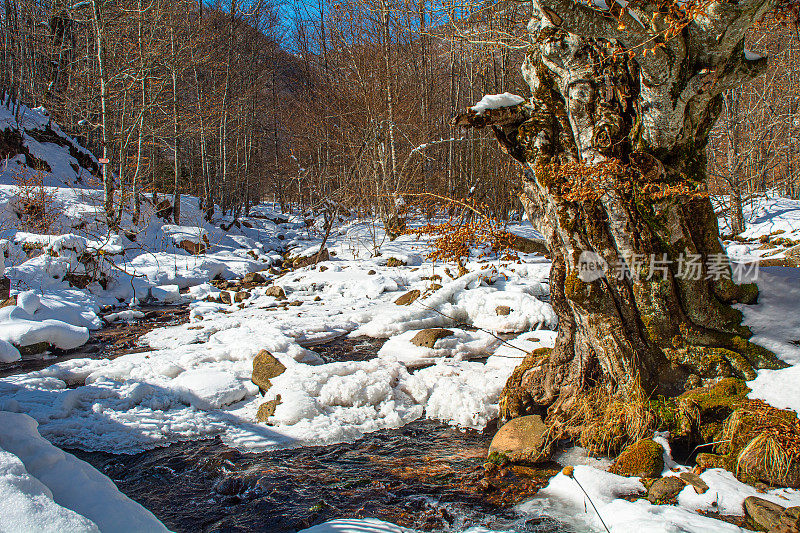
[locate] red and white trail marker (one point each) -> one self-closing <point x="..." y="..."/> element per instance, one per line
<point x="103" y="161"/>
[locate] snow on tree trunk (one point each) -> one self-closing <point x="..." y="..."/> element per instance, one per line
<point x="613" y="146"/>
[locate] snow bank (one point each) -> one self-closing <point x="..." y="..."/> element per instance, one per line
<point x="45" y="489"/>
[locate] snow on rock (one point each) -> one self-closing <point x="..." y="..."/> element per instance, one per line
<point x="726" y="494"/>
<point x="496" y="101"/>
<point x="564" y="500"/>
<point x="43" y="488"/>
<point x="8" y="353"/>
<point x="166" y="294"/>
<point x="19" y="328"/>
<point x="29" y="302"/>
<point x="462" y="345"/>
<point x="124" y="316"/>
<point x="342" y="401"/>
<point x="473" y="298"/>
<point x="463" y="394"/>
<point x="180" y="234"/>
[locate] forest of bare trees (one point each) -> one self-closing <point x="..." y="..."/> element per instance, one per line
<point x="315" y="102"/>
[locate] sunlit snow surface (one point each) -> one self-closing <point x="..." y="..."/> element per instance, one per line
<point x="196" y="381"/>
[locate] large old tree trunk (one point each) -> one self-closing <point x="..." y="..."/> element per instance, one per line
<point x="613" y="145"/>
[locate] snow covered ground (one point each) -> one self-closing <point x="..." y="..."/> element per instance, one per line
<point x="194" y="380"/>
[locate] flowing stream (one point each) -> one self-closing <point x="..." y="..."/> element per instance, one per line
<point x="426" y="475"/>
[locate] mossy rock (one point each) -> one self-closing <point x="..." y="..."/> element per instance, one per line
<point x="697" y="415"/>
<point x="644" y="458"/>
<point x="523" y="440"/>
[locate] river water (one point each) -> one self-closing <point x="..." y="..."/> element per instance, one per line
<point x="426" y="475"/>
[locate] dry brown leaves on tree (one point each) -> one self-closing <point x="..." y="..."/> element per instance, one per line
<point x="468" y="227"/>
<point x="579" y="182"/>
<point x="34" y="204"/>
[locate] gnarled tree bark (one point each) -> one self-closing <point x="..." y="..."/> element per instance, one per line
<point x="613" y="146"/>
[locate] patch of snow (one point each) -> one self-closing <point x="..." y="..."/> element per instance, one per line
<point x="496" y="101"/>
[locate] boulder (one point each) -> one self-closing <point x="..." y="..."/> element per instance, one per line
<point x="33" y="349"/>
<point x="700" y="486"/>
<point x="241" y="296"/>
<point x="276" y="292"/>
<point x="644" y="458"/>
<point x="503" y="310"/>
<point x="5" y="288"/>
<point x="408" y="298"/>
<point x="665" y="489"/>
<point x="267" y="409"/>
<point x="427" y="337"/>
<point x="523" y="440"/>
<point x="225" y="297"/>
<point x="254" y="277"/>
<point x="395" y="262"/>
<point x="194" y="248"/>
<point x="266" y="367"/>
<point x="164" y="209"/>
<point x="322" y="255"/>
<point x="793" y="256"/>
<point x="762" y="513"/>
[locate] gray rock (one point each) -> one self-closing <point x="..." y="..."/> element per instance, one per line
<point x="664" y="489"/>
<point x="763" y="513"/>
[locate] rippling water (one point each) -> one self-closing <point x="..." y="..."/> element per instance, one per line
<point x="425" y="475"/>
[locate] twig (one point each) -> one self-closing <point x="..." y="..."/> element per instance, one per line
<point x="570" y="473"/>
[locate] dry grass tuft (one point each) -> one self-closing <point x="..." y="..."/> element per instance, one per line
<point x="606" y="424"/>
<point x="763" y="443"/>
